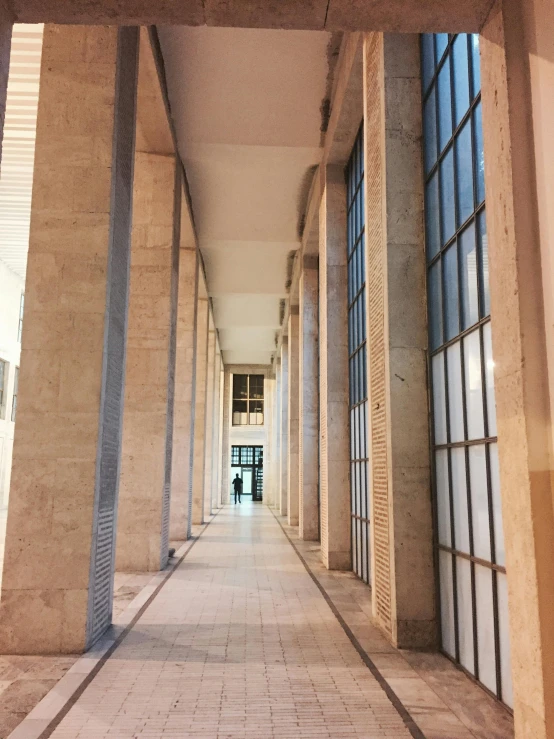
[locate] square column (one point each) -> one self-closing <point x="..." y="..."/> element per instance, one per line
<point x="198" y="471"/>
<point x="225" y="443"/>
<point x="276" y="458"/>
<point x="284" y="423"/>
<point x="210" y="406"/>
<point x="216" y="455"/>
<point x="517" y="81"/>
<point x="143" y="460"/>
<point x="293" y="419"/>
<point x="308" y="461"/>
<point x="183" y="424"/>
<point x="336" y="538"/>
<point x="58" y="568"/>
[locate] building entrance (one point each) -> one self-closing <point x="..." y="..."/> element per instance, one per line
<point x="248" y="461"/>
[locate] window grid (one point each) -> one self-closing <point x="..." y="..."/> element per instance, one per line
<point x="357" y="358"/>
<point x="248" y="400"/>
<point x="461" y="364"/>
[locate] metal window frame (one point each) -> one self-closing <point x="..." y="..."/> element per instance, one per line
<point x="483" y="319"/>
<point x="248" y="399"/>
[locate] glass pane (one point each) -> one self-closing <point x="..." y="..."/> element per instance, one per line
<point x="455" y="403"/>
<point x="450" y="292"/>
<point x="442" y="43"/>
<point x="257" y="386"/>
<point x="432" y="216"/>
<point x="479" y="154"/>
<point x="435" y="306"/>
<point x="485" y="627"/>
<point x="479" y="502"/>
<point x="428" y="59"/>
<point x="447" y="604"/>
<point x="430" y="131"/>
<point x="500" y="553"/>
<point x="484" y="263"/>
<point x="447" y="197"/>
<point x="470" y="294"/>
<point x="464" y="174"/>
<point x="439" y="398"/>
<point x="461" y="77"/>
<point x="459" y="500"/>
<point x="444" y="105"/>
<point x="240" y="386"/>
<point x="476" y="61"/>
<point x="474" y="386"/>
<point x="504" y="629"/>
<point x="489" y="377"/>
<point x="465" y="613"/>
<point x="443" y="498"/>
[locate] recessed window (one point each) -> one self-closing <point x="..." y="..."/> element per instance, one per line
<point x="21" y="309"/>
<point x="15" y="389"/>
<point x="248" y="400"/>
<point x="3" y="378"/>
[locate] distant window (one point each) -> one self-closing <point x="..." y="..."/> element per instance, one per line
<point x="21" y="308"/>
<point x="15" y="386"/>
<point x="3" y="378"/>
<point x="248" y="400"/>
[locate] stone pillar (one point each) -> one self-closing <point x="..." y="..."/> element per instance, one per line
<point x="293" y="419"/>
<point x="198" y="477"/>
<point x="284" y="416"/>
<point x="5" y="47"/>
<point x="141" y="493"/>
<point x="336" y="538"/>
<point x="58" y="568"/>
<point x="269" y="406"/>
<point x="219" y="458"/>
<point x="216" y="458"/>
<point x="225" y="443"/>
<point x="183" y="425"/>
<point x="511" y="59"/>
<point x="209" y="435"/>
<point x="402" y="534"/>
<point x="276" y="458"/>
<point x="308" y="378"/>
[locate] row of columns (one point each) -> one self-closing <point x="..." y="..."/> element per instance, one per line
<point x="119" y="406"/>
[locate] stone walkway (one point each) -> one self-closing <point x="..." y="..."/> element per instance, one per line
<point x="238" y="643"/>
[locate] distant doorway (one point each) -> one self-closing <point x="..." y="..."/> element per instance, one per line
<point x="248" y="461"/>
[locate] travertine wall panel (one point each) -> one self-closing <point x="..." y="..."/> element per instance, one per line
<point x="293" y="416"/>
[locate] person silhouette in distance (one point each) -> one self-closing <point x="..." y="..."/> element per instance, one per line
<point x="237" y="484"/>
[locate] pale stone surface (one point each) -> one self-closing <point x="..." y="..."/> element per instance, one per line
<point x="284" y="435"/>
<point x="45" y="601"/>
<point x="210" y="406"/>
<point x="183" y="425"/>
<point x="293" y="437"/>
<point x="308" y="461"/>
<point x="139" y="521"/>
<point x="225" y="441"/>
<point x="509" y="51"/>
<point x="198" y="477"/>
<point x="336" y="539"/>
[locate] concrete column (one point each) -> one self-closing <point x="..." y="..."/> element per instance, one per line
<point x="216" y="455"/>
<point x="402" y="534"/>
<point x="308" y="378"/>
<point x="58" y="567"/>
<point x="219" y="459"/>
<point x="198" y="477"/>
<point x="276" y="460"/>
<point x="269" y="455"/>
<point x="5" y="47"/>
<point x="293" y="419"/>
<point x="336" y="539"/>
<point x="284" y="414"/>
<point x="183" y="425"/>
<point x="225" y="443"/>
<point x="210" y="406"/>
<point x="516" y="65"/>
<point x="141" y="492"/>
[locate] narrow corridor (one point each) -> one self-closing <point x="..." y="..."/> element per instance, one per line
<point x="238" y="643"/>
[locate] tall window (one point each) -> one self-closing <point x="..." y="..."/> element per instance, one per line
<point x="248" y="400"/>
<point x="469" y="535"/>
<point x="15" y="391"/>
<point x="357" y="350"/>
<point x="21" y="308"/>
<point x="3" y="379"/>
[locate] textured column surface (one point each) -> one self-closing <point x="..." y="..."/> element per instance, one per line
<point x="198" y="477"/>
<point x="509" y="69"/>
<point x="209" y="437"/>
<point x="216" y="458"/>
<point x="284" y="414"/>
<point x="293" y="419"/>
<point x="308" y="377"/>
<point x="183" y="424"/>
<point x="269" y="455"/>
<point x="276" y="461"/>
<point x="142" y="479"/>
<point x="336" y="539"/>
<point x="58" y="566"/>
<point x="5" y="45"/>
<point x="225" y="444"/>
<point x="219" y="459"/>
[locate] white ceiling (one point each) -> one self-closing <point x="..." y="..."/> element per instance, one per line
<point x="18" y="150"/>
<point x="246" y="105"/>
